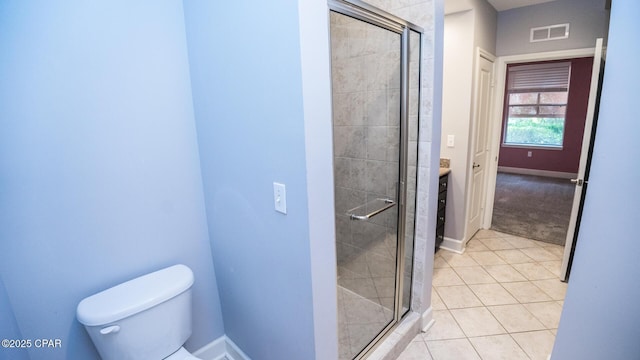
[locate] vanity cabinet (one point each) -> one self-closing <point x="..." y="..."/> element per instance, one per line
<point x="442" y="209"/>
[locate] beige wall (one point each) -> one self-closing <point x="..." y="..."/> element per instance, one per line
<point x="464" y="32"/>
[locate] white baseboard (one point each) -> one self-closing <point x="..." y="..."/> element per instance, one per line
<point x="536" y="172"/>
<point x="456" y="246"/>
<point x="221" y="348"/>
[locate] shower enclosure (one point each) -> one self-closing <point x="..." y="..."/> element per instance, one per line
<point x="375" y="84"/>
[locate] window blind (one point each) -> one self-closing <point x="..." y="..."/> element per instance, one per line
<point x="545" y="77"/>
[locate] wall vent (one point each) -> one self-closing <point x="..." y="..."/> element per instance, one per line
<point x="551" y="32"/>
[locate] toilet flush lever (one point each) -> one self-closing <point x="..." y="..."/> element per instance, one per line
<point x="110" y="329"/>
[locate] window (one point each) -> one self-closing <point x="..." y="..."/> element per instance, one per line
<point x="536" y="105"/>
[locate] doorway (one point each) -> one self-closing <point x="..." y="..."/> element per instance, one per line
<point x="544" y="115"/>
<point x="590" y="86"/>
<point x="375" y="64"/>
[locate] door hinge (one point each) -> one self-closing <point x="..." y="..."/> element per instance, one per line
<point x="578" y="182"/>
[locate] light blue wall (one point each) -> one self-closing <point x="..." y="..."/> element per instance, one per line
<point x="246" y="75"/>
<point x="10" y="329"/>
<point x="600" y="319"/>
<point x="316" y="79"/>
<point x="588" y="21"/>
<point x="99" y="168"/>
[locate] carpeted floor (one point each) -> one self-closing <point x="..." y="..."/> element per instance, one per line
<point x="534" y="207"/>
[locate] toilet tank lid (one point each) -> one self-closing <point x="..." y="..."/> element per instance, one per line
<point x="134" y="296"/>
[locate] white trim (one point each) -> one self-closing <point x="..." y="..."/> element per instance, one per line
<point x="533" y="147"/>
<point x="480" y="52"/>
<point x="221" y="348"/>
<point x="427" y="319"/>
<point x="495" y="131"/>
<point x="456" y="246"/>
<point x="536" y="172"/>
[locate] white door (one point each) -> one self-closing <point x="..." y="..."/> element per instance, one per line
<point x="479" y="144"/>
<point x="585" y="158"/>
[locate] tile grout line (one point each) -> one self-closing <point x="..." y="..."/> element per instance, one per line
<point x="527" y="279"/>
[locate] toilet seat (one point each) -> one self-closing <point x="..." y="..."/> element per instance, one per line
<point x="182" y="354"/>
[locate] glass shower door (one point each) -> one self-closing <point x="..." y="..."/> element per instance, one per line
<point x="366" y="81"/>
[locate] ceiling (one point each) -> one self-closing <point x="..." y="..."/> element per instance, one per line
<point x="453" y="6"/>
<point x="501" y="5"/>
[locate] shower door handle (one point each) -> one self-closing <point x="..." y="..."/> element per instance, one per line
<point x="388" y="205"/>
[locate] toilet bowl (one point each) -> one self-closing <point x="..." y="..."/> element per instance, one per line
<point x="145" y="318"/>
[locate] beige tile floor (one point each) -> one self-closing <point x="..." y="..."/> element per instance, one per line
<point x="501" y="299"/>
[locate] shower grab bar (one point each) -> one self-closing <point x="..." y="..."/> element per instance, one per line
<point x="388" y="204"/>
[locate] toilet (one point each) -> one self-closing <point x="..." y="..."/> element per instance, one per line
<point x="146" y="318"/>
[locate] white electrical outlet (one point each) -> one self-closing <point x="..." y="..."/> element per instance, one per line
<point x="280" y="197"/>
<point x="529" y="153"/>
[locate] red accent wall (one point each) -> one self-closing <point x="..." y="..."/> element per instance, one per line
<point x="567" y="159"/>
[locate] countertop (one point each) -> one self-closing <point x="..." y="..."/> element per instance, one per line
<point x="444" y="171"/>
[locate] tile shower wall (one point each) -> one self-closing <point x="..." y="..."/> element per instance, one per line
<point x="366" y="79"/>
<point x="412" y="164"/>
<point x="423" y="13"/>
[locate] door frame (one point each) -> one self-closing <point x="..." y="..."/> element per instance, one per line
<point x="497" y="113"/>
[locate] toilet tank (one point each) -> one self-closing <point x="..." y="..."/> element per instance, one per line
<point x="148" y="317"/>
